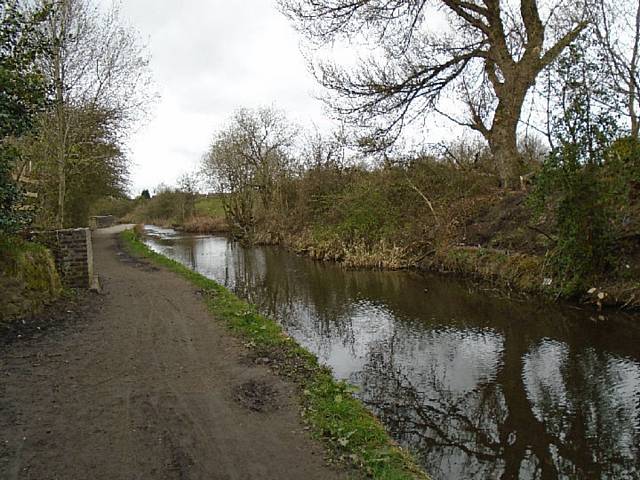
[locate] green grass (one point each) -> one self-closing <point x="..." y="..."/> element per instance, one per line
<point x="210" y="206"/>
<point x="349" y="431"/>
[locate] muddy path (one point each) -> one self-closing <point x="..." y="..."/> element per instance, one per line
<point x="143" y="384"/>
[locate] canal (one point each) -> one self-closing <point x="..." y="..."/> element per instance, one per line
<point x="479" y="386"/>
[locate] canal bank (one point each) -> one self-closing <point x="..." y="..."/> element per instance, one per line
<point x="479" y="386"/>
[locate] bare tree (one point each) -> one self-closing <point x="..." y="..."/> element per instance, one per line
<point x="188" y="189"/>
<point x="95" y="164"/>
<point x="488" y="53"/>
<point x="94" y="62"/>
<point x="618" y="32"/>
<point x="325" y="150"/>
<point x="246" y="159"/>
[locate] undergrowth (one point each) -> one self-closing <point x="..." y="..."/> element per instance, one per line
<point x="28" y="278"/>
<point x="350" y="432"/>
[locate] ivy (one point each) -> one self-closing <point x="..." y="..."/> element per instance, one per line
<point x="573" y="188"/>
<point x="22" y="96"/>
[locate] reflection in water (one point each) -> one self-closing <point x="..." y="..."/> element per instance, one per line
<point x="478" y="387"/>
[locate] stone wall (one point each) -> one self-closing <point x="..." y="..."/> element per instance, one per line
<point x="73" y="252"/>
<point x="102" y="221"/>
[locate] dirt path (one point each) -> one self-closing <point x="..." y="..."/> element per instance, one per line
<point x="146" y="386"/>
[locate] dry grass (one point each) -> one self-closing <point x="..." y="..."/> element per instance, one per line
<point x="518" y="271"/>
<point x="205" y="224"/>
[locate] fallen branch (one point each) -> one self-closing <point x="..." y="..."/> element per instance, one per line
<point x="424" y="197"/>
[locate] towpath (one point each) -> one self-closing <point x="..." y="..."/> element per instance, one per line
<point x="144" y="384"/>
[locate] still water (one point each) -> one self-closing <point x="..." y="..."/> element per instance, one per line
<point x="479" y="387"/>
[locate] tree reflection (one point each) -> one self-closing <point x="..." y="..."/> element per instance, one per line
<point x="527" y="408"/>
<point x="496" y="429"/>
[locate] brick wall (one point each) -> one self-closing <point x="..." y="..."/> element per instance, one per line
<point x="72" y="249"/>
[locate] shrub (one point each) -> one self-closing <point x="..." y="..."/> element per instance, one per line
<point x="573" y="188"/>
<point x="116" y="206"/>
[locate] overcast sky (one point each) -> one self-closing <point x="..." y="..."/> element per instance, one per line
<point x="210" y="57"/>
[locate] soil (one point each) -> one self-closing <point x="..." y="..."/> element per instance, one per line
<point x="140" y="382"/>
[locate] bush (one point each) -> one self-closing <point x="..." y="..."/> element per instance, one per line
<point x="164" y="208"/>
<point x="370" y="209"/>
<point x="575" y="188"/>
<point x="116" y="206"/>
<point x="622" y="175"/>
<point x="577" y="197"/>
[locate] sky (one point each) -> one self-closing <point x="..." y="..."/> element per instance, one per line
<point x="208" y="58"/>
<point x="211" y="57"/>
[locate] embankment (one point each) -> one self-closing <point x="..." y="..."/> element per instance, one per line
<point x="506" y="270"/>
<point x="433" y="215"/>
<point x="469" y="228"/>
<point x="28" y="278"/>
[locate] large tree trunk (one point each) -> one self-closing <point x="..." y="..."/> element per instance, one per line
<point x="512" y="78"/>
<point x="504" y="149"/>
<point x="503" y="139"/>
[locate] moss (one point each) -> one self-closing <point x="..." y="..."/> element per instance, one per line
<point x="28" y="278"/>
<point x="342" y="422"/>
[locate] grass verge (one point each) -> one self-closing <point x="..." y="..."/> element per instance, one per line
<point x="348" y="430"/>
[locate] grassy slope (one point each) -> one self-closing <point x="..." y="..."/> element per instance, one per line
<point x="348" y="429"/>
<point x="209" y="206"/>
<point x="28" y="278"/>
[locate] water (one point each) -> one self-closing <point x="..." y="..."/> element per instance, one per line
<point x="478" y="386"/>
